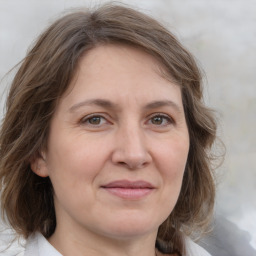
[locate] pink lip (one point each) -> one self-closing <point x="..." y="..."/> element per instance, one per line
<point x="126" y="189"/>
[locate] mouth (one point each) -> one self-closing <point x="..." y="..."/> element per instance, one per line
<point x="130" y="190"/>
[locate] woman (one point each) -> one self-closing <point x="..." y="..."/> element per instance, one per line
<point x="105" y="142"/>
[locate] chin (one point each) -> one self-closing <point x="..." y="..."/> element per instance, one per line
<point x="132" y="227"/>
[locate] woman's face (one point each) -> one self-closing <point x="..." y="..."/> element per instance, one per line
<point x="118" y="146"/>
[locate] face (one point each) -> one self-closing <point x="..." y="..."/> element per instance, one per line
<point x="117" y="147"/>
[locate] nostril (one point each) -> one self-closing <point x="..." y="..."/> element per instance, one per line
<point x="132" y="165"/>
<point x="128" y="158"/>
<point x="124" y="164"/>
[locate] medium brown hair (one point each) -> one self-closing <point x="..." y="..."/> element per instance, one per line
<point x="43" y="77"/>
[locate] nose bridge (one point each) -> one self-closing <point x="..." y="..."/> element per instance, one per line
<point x="131" y="147"/>
<point x="133" y="139"/>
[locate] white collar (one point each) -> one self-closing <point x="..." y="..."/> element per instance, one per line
<point x="37" y="245"/>
<point x="193" y="249"/>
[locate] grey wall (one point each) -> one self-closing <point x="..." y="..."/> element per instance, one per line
<point x="222" y="35"/>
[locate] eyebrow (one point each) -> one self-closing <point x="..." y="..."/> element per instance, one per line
<point x="110" y="105"/>
<point x="98" y="102"/>
<point x="163" y="103"/>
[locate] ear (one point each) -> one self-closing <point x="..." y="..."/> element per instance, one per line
<point x="39" y="166"/>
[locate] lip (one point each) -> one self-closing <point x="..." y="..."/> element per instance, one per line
<point x="132" y="190"/>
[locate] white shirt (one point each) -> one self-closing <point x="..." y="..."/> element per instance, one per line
<point x="37" y="245"/>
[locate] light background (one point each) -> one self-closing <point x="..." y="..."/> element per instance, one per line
<point x="222" y="36"/>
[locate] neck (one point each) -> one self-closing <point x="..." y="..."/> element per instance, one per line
<point x="90" y="244"/>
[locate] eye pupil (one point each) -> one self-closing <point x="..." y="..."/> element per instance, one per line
<point x="94" y="120"/>
<point x="157" y="120"/>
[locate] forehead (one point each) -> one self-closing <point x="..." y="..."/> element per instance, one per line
<point x="116" y="70"/>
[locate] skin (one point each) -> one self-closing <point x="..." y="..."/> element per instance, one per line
<point x="106" y="128"/>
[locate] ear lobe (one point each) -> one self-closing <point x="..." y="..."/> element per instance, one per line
<point x="39" y="166"/>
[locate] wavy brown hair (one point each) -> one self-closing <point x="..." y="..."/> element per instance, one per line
<point x="42" y="78"/>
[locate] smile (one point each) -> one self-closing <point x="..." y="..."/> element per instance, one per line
<point x="130" y="190"/>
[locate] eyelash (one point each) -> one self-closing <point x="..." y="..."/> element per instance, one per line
<point x="86" y="120"/>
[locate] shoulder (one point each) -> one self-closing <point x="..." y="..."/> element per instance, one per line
<point x="194" y="249"/>
<point x="37" y="245"/>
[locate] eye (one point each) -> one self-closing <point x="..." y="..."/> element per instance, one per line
<point x="94" y="120"/>
<point x="160" y="120"/>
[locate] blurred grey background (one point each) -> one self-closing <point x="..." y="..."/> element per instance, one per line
<point x="222" y="36"/>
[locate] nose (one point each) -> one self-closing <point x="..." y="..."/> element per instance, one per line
<point x="131" y="149"/>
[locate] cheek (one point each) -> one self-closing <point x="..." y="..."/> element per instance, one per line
<point x="174" y="155"/>
<point x="74" y="161"/>
<point x="72" y="172"/>
<point x="172" y="160"/>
